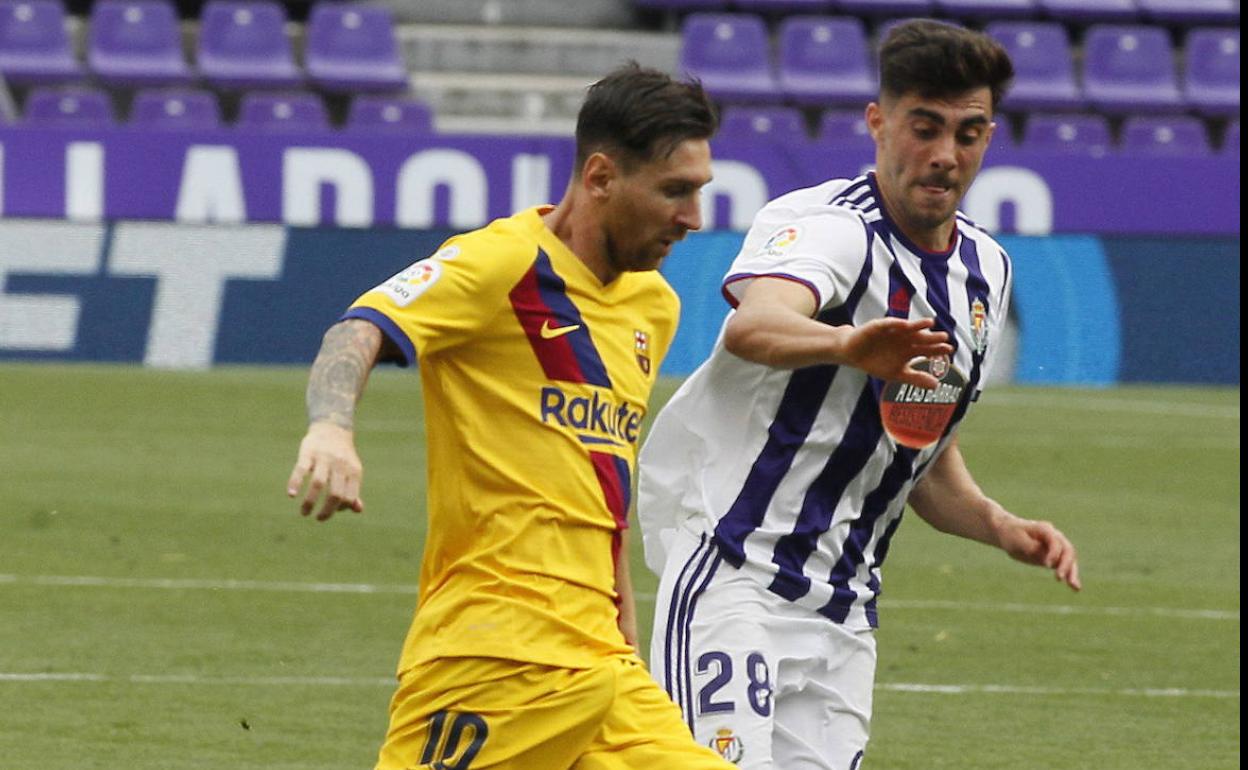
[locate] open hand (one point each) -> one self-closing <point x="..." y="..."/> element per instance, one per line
<point x="331" y="467"/>
<point x="886" y="348"/>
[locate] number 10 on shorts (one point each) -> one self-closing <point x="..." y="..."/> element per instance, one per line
<point x="442" y="750"/>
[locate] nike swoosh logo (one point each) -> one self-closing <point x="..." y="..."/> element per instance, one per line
<point x="549" y="333"/>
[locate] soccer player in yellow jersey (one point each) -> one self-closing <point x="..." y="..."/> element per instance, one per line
<point x="538" y="339"/>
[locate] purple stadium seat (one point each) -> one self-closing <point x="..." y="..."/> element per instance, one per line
<point x="1169" y="135"/>
<point x="988" y="9"/>
<point x="785" y="6"/>
<point x="175" y="108"/>
<point x="353" y="48"/>
<point x="34" y="46"/>
<point x="390" y="114"/>
<point x="780" y="125"/>
<point x="1090" y="11"/>
<point x="825" y="60"/>
<point x="1190" y="11"/>
<point x="1130" y="68"/>
<point x="886" y="7"/>
<point x="243" y="44"/>
<point x="270" y="111"/>
<point x="1211" y="70"/>
<point x="1044" y="71"/>
<point x="845" y="128"/>
<point x="1230" y="140"/>
<point x="731" y="55"/>
<point x="1083" y="134"/>
<point x="136" y="43"/>
<point x="76" y="107"/>
<point x="682" y="5"/>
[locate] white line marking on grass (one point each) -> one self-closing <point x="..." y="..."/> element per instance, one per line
<point x="49" y="677"/>
<point x="1148" y="443"/>
<point x="1099" y="404"/>
<point x="1000" y="689"/>
<point x="210" y="585"/>
<point x="355" y="681"/>
<point x="276" y="681"/>
<point x="195" y="584"/>
<point x="1061" y="609"/>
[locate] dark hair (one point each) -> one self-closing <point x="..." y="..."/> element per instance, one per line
<point x="637" y="114"/>
<point x="937" y="60"/>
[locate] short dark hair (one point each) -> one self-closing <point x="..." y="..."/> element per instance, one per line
<point x="636" y="114"/>
<point x="937" y="60"/>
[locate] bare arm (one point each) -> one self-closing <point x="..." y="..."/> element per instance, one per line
<point x="327" y="457"/>
<point x="348" y="353"/>
<point x="950" y="500"/>
<point x="773" y="325"/>
<point x="624" y="587"/>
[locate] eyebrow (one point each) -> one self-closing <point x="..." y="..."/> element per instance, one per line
<point x="936" y="117"/>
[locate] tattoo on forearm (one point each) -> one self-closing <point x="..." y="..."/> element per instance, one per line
<point x="340" y="371"/>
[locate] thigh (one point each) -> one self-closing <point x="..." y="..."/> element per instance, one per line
<point x="823" y="715"/>
<point x="712" y="652"/>
<point x="488" y="714"/>
<point x="645" y="731"/>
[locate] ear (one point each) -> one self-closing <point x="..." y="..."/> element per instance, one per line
<point x="875" y="120"/>
<point x="598" y="174"/>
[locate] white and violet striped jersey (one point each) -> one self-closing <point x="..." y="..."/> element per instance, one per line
<point x="801" y="476"/>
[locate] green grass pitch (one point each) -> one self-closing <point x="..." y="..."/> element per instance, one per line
<point x="163" y="606"/>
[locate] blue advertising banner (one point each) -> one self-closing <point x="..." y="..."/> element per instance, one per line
<point x="1090" y="311"/>
<point x="320" y="179"/>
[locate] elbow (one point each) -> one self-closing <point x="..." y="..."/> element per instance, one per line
<point x="744" y="341"/>
<point x="735" y="338"/>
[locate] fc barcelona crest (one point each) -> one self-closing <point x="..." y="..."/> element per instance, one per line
<point x="641" y="346"/>
<point x="979" y="325"/>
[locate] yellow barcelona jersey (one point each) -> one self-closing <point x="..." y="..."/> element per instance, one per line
<point x="536" y="378"/>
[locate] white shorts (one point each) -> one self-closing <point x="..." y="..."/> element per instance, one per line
<point x="767" y="684"/>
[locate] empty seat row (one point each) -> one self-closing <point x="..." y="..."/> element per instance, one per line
<point x="240" y="44"/>
<point x="827" y="60"/>
<point x="1071" y="11"/>
<point x="192" y="109"/>
<point x="1085" y="134"/>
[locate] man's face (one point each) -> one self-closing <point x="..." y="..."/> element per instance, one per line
<point x="653" y="205"/>
<point x="928" y="152"/>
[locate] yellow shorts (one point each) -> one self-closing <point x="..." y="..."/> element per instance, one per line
<point x="486" y="713"/>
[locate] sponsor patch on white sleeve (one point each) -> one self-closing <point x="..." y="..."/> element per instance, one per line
<point x="415" y="280"/>
<point x="781" y="241"/>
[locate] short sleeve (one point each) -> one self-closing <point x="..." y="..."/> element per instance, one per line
<point x="999" y="321"/>
<point x="822" y="251"/>
<point x="445" y="300"/>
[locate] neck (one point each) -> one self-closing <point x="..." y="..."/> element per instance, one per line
<point x="930" y="238"/>
<point x="938" y="239"/>
<point x="574" y="224"/>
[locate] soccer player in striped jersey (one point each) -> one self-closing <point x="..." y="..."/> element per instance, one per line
<point x="867" y="314"/>
<point x="538" y="339"/>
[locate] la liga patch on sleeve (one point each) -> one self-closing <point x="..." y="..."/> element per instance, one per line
<point x="781" y="241"/>
<point x="413" y="281"/>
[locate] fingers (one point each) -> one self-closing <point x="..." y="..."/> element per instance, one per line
<point x="918" y="339"/>
<point x="302" y="466"/>
<point x="1067" y="568"/>
<point x="343" y="491"/>
<point x="333" y="482"/>
<point x="1059" y="555"/>
<point x="912" y="376"/>
<point x="316" y="485"/>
